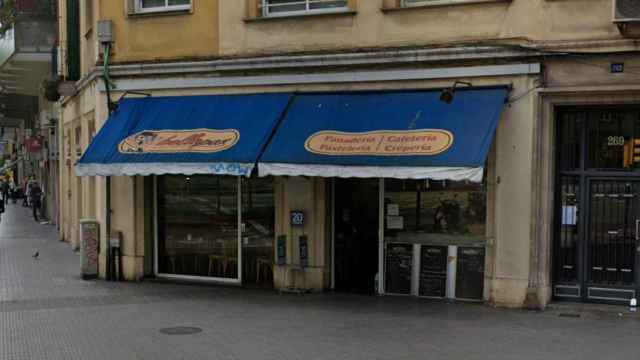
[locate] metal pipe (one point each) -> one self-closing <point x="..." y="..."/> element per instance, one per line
<point x="108" y="84"/>
<point x="108" y="228"/>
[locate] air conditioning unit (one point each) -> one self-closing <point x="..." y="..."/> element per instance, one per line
<point x="625" y="11"/>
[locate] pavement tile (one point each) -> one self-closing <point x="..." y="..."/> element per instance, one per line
<point x="48" y="312"/>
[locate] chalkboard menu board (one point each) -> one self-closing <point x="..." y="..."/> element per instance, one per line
<point x="304" y="250"/>
<point x="281" y="250"/>
<point x="433" y="271"/>
<point x="399" y="261"/>
<point x="470" y="273"/>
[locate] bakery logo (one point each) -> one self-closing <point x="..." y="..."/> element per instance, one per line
<point x="380" y="143"/>
<point x="179" y="141"/>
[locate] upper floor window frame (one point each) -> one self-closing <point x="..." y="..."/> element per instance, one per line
<point x="427" y="3"/>
<point x="265" y="8"/>
<point x="139" y="9"/>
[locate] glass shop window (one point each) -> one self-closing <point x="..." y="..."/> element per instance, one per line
<point x="198" y="226"/>
<point x="414" y="207"/>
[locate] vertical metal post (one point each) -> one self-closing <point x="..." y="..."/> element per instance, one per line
<point x="108" y="228"/>
<point x="381" y="211"/>
<point x="415" y="270"/>
<point x="239" y="264"/>
<point x="452" y="269"/>
<point x="155" y="225"/>
<point x="333" y="233"/>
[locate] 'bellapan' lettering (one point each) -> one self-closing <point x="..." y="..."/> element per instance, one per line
<point x="179" y="141"/>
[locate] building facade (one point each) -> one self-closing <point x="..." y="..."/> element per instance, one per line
<point x="542" y="207"/>
<point x="28" y="121"/>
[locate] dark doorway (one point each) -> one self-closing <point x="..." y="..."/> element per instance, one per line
<point x="597" y="234"/>
<point x="356" y="235"/>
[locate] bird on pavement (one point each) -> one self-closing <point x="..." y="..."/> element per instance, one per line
<point x="35" y="256"/>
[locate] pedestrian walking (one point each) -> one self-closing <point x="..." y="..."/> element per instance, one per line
<point x="35" y="195"/>
<point x="27" y="193"/>
<point x="12" y="190"/>
<point x="2" y="207"/>
<point x="5" y="191"/>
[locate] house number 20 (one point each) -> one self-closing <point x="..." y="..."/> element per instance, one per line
<point x="615" y="140"/>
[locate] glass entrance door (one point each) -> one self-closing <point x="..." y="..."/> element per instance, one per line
<point x="356" y="234"/>
<point x="613" y="234"/>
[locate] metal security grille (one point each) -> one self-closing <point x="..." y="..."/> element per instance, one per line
<point x="597" y="202"/>
<point x="614" y="223"/>
<point x="567" y="245"/>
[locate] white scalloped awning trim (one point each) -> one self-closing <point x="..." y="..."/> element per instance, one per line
<point x="146" y="169"/>
<point x="473" y="174"/>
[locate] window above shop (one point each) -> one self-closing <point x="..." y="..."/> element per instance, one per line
<point x="274" y="8"/>
<point x="151" y="6"/>
<point x="404" y="4"/>
<point x="444" y="2"/>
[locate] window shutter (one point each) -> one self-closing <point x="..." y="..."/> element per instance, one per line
<point x="253" y="8"/>
<point x="73" y="40"/>
<point x="391" y="4"/>
<point x="130" y="7"/>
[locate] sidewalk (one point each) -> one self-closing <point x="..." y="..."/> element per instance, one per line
<point x="48" y="312"/>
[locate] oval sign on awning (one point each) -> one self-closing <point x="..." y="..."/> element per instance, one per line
<point x="380" y="143"/>
<point x="179" y="141"/>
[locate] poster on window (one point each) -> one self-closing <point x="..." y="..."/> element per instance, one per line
<point x="395" y="222"/>
<point x="569" y="215"/>
<point x="393" y="209"/>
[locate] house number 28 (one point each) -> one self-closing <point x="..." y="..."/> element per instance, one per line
<point x="615" y="140"/>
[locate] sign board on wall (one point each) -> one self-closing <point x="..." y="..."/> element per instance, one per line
<point x="304" y="250"/>
<point x="89" y="248"/>
<point x="281" y="250"/>
<point x="297" y="218"/>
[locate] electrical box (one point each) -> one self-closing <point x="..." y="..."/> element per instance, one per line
<point x="89" y="248"/>
<point x="105" y="31"/>
<point x="626" y="10"/>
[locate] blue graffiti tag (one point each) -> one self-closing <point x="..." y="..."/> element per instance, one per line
<point x="230" y="169"/>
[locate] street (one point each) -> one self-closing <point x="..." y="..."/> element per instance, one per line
<point x="48" y="312"/>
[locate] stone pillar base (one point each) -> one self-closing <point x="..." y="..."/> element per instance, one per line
<point x="285" y="276"/>
<point x="508" y="292"/>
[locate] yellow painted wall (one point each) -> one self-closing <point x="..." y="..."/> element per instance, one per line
<point x="371" y="27"/>
<point x="163" y="36"/>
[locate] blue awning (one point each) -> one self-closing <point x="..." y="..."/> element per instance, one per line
<point x="221" y="134"/>
<point x="410" y="134"/>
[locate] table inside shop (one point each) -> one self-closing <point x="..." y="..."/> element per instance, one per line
<point x="211" y="257"/>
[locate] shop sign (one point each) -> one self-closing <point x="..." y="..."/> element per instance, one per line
<point x="303" y="242"/>
<point x="281" y="250"/>
<point x="179" y="141"/>
<point x="380" y="143"/>
<point x="297" y="218"/>
<point x="34" y="144"/>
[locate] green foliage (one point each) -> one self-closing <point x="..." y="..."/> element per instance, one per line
<point x="8" y="14"/>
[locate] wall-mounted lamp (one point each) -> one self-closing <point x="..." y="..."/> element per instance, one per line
<point x="448" y="94"/>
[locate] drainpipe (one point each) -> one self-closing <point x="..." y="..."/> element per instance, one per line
<point x="110" y="106"/>
<point x="108" y="229"/>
